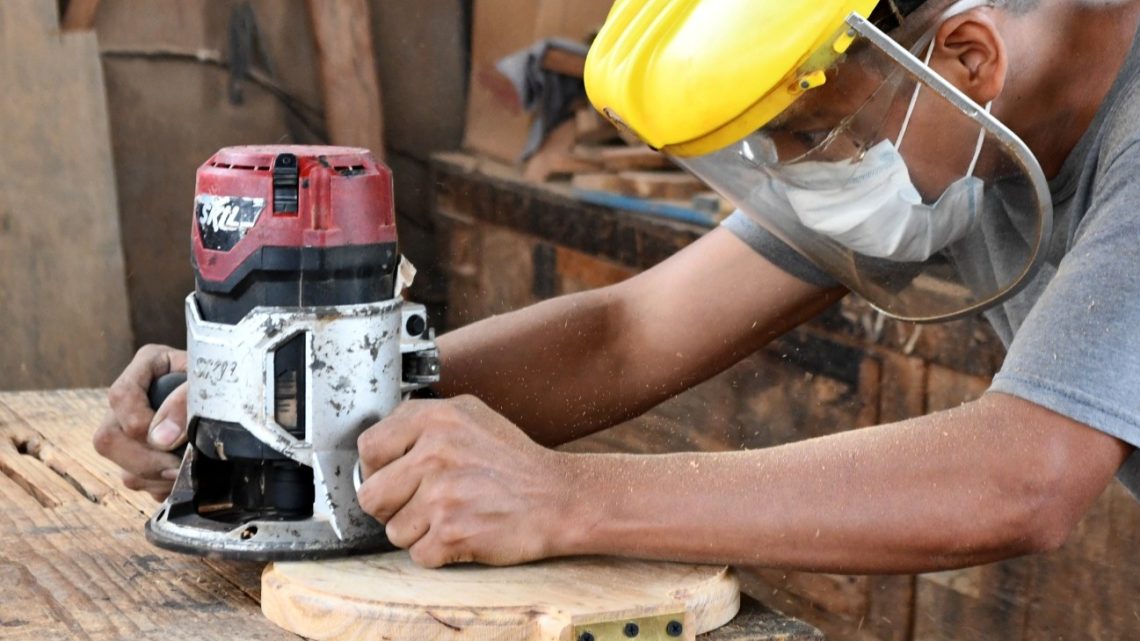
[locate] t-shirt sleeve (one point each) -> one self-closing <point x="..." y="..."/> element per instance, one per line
<point x="1078" y="351"/>
<point x="775" y="250"/>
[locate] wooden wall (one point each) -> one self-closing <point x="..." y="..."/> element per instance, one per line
<point x="506" y="244"/>
<point x="62" y="296"/>
<point x="168" y="115"/>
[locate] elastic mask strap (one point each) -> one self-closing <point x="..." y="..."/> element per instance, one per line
<point x="913" y="99"/>
<point x="978" y="149"/>
<point x="957" y="8"/>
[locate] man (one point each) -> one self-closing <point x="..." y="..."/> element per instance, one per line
<point x="470" y="478"/>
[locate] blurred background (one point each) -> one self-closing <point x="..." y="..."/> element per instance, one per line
<point x="509" y="190"/>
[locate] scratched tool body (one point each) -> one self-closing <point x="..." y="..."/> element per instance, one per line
<point x="298" y="339"/>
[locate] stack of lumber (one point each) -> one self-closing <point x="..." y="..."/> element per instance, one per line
<point x="594" y="156"/>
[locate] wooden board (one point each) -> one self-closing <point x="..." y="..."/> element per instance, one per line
<point x="74" y="563"/>
<point x="387" y="596"/>
<point x="592" y="127"/>
<point x="168" y="116"/>
<point x="342" y="30"/>
<point x="73" y="560"/>
<point x="497" y="125"/>
<point x="666" y="185"/>
<point x="79" y="15"/>
<point x="620" y="158"/>
<point x="62" y="281"/>
<point x="556" y="156"/>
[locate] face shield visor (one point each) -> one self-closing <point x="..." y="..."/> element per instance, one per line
<point x="891" y="180"/>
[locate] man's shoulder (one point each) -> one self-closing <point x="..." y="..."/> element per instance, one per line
<point x="1121" y="126"/>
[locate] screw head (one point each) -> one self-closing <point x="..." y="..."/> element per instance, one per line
<point x="631" y="630"/>
<point x="586" y="636"/>
<point x="674" y="628"/>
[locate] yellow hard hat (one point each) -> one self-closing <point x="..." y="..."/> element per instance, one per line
<point x="684" y="75"/>
<point x="796" y="111"/>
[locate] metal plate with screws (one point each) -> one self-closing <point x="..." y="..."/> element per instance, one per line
<point x="669" y="626"/>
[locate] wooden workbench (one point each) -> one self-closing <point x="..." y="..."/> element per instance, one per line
<point x="74" y="563"/>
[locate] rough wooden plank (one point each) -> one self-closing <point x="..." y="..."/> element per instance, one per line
<point x="592" y="127"/>
<point x="968" y="345"/>
<point x="621" y="158"/>
<point x="79" y="15"/>
<point x="555" y="157"/>
<point x="78" y="567"/>
<point x="168" y="116"/>
<point x="603" y="181"/>
<point x="388" y="596"/>
<point x="902" y="388"/>
<point x="757" y="621"/>
<point x="946" y="388"/>
<point x="127" y="588"/>
<point x="979" y="604"/>
<point x="567" y="63"/>
<point x="62" y="281"/>
<point x="493" y="193"/>
<point x="342" y="31"/>
<point x="578" y="271"/>
<point x="668" y="185"/>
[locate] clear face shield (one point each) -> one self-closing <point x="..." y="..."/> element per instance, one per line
<point x="892" y="180"/>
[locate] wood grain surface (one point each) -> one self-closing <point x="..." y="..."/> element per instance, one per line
<point x="388" y="596"/>
<point x="73" y="560"/>
<point x="74" y="563"/>
<point x="62" y="280"/>
<point x="342" y="32"/>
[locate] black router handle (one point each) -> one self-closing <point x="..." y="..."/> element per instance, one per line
<point x="159" y="389"/>
<point x="162" y="387"/>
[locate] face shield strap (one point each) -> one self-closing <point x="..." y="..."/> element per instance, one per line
<point x="1000" y="134"/>
<point x="958" y="8"/>
<point x="914" y="101"/>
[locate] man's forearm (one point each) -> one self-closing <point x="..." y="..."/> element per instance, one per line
<point x="548" y="368"/>
<point x="948" y="490"/>
<point x="566" y="367"/>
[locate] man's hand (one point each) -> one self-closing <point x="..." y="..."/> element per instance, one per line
<point x="138" y="439"/>
<point x="455" y="482"/>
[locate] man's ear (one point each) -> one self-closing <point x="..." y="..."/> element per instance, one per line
<point x="970" y="53"/>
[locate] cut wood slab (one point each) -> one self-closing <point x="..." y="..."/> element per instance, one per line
<point x="342" y="31"/>
<point x="628" y="158"/>
<point x="556" y="156"/>
<point x="567" y="63"/>
<point x="600" y="182"/>
<point x="663" y="185"/>
<point x="593" y="128"/>
<point x="387" y="596"/>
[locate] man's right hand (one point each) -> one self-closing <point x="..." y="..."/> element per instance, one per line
<point x="137" y="438"/>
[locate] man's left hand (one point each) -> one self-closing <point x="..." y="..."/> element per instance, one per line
<point x="454" y="482"/>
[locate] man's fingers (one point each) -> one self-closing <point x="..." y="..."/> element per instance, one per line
<point x="168" y="427"/>
<point x="388" y="490"/>
<point x="127" y="395"/>
<point x="408" y="526"/>
<point x="134" y="457"/>
<point x="158" y="490"/>
<point x="391" y="438"/>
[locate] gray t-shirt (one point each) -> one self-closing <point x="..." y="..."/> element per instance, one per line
<point x="1073" y="333"/>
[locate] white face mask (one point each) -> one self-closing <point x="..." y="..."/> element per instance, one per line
<point x="875" y="210"/>
<point x="872" y="207"/>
